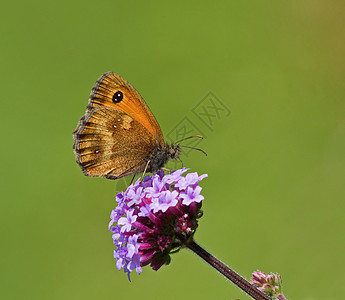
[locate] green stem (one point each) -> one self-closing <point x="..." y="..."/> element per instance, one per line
<point x="227" y="272"/>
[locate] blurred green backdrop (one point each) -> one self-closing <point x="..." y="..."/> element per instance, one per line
<point x="274" y="199"/>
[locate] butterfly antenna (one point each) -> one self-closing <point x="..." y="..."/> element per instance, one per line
<point x="190" y="137"/>
<point x="194" y="149"/>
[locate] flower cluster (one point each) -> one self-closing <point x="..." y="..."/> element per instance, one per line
<point x="270" y="283"/>
<point x="154" y="218"/>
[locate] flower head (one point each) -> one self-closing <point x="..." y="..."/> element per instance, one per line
<point x="154" y="218"/>
<point x="270" y="284"/>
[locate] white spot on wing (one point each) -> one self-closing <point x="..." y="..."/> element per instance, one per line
<point x="127" y="120"/>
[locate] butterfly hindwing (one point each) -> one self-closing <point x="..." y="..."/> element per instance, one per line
<point x="110" y="143"/>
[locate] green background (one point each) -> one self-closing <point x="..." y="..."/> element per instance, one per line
<point x="274" y="199"/>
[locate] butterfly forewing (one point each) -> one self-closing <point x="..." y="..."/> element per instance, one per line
<point x="132" y="103"/>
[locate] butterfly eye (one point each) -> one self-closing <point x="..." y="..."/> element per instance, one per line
<point x="117" y="97"/>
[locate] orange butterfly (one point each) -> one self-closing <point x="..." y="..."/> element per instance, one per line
<point x="118" y="135"/>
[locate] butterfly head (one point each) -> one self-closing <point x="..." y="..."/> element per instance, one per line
<point x="173" y="151"/>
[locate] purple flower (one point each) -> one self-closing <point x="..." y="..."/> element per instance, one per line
<point x="164" y="201"/>
<point x="190" y="180"/>
<point x="175" y="176"/>
<point x="192" y="195"/>
<point x="157" y="186"/>
<point x="135" y="196"/>
<point x="144" y="211"/>
<point x="154" y="218"/>
<point x="132" y="246"/>
<point x="127" y="221"/>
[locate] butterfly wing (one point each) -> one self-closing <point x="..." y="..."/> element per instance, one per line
<point x="102" y="95"/>
<point x="112" y="144"/>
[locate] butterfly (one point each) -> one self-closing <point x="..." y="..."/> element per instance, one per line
<point x="119" y="135"/>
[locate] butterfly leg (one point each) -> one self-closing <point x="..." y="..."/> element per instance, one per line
<point x="132" y="179"/>
<point x="181" y="162"/>
<point x="147" y="164"/>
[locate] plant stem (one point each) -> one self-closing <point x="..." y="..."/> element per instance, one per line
<point x="227" y="272"/>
